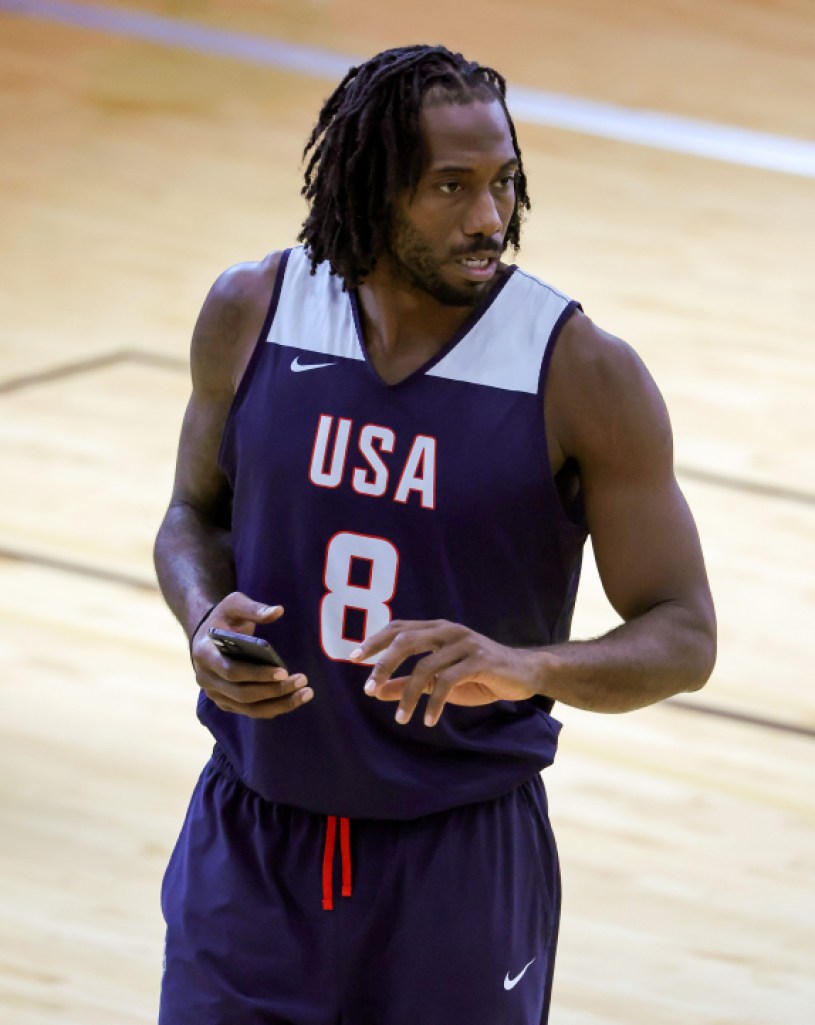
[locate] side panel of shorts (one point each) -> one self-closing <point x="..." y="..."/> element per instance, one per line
<point x="454" y="917"/>
<point x="247" y="939"/>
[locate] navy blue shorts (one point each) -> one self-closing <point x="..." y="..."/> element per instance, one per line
<point x="277" y="916"/>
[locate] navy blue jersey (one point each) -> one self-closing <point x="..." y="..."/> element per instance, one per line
<point x="355" y="502"/>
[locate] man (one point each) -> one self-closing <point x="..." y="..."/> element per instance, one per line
<point x="394" y="449"/>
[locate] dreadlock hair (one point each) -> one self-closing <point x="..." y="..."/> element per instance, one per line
<point x="367" y="146"/>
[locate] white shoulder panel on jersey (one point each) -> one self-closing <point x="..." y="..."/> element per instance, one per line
<point x="313" y="313"/>
<point x="505" y="348"/>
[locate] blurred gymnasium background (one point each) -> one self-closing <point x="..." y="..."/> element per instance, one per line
<point x="671" y="153"/>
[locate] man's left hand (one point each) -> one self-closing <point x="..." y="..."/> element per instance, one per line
<point x="458" y="666"/>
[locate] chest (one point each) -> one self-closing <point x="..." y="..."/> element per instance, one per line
<point x="338" y="436"/>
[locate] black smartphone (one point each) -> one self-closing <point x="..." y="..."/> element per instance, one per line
<point x="245" y="648"/>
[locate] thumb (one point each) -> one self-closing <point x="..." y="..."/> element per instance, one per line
<point x="268" y="613"/>
<point x="239" y="608"/>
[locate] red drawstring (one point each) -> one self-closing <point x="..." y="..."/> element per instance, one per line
<point x="328" y="859"/>
<point x="345" y="856"/>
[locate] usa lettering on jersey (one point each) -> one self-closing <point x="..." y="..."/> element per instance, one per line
<point x="336" y="437"/>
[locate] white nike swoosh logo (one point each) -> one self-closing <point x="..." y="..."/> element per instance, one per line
<point x="299" y="367"/>
<point x="511" y="983"/>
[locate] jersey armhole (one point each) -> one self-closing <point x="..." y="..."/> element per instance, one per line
<point x="568" y="310"/>
<point x="574" y="516"/>
<point x="251" y="366"/>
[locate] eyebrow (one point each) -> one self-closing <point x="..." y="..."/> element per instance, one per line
<point x="453" y="169"/>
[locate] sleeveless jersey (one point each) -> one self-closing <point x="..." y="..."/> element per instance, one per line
<point x="355" y="502"/>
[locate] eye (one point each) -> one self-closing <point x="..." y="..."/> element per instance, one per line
<point x="450" y="188"/>
<point x="508" y="180"/>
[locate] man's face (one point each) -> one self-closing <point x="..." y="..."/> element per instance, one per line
<point x="447" y="235"/>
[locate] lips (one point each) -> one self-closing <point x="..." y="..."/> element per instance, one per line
<point x="477" y="266"/>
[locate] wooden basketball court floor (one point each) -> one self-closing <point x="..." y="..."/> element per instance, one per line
<point x="131" y="173"/>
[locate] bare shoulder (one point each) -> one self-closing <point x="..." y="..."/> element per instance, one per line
<point x="229" y="324"/>
<point x="603" y="403"/>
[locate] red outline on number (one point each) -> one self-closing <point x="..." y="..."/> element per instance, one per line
<point x="361" y="558"/>
<point x="358" y="608"/>
<point x="386" y="602"/>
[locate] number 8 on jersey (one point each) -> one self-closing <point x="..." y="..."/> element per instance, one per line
<point x="373" y="563"/>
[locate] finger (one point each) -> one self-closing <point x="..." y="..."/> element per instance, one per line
<point x="238" y="608"/>
<point x="446" y="681"/>
<point x="269" y="709"/>
<point x="405" y="644"/>
<point x="210" y="660"/>
<point x="383" y="638"/>
<point x="376" y="642"/>
<point x="269" y="613"/>
<point x="424" y="679"/>
<point x="251" y="694"/>
<point x="391" y="690"/>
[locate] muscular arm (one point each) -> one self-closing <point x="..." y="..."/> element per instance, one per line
<point x="193" y="553"/>
<point x="604" y="411"/>
<point x="609" y="416"/>
<point x="193" y="550"/>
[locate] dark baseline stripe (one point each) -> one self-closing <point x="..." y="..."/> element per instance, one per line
<point x="752" y="487"/>
<point x="80" y="569"/>
<point x="61" y="371"/>
<point x="85" y="366"/>
<point x="156" y="359"/>
<point x="741" y="717"/>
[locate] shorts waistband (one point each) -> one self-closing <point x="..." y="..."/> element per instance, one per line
<point x="224" y="767"/>
<point x="334" y="824"/>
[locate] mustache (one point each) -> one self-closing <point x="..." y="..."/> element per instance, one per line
<point x="480" y="247"/>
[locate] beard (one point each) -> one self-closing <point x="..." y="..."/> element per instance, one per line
<point x="415" y="264"/>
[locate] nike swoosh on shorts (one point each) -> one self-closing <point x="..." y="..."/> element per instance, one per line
<point x="511" y="983"/>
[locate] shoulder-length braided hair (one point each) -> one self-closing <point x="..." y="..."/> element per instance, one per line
<point x="367" y="147"/>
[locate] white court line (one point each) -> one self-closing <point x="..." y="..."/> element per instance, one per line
<point x="642" y="127"/>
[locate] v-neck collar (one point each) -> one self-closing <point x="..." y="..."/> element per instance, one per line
<point x="458" y="336"/>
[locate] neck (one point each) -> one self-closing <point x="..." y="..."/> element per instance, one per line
<point x="400" y="320"/>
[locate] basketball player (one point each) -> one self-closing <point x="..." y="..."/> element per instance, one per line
<point x="394" y="450"/>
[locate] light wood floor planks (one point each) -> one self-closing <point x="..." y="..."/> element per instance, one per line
<point x="130" y="175"/>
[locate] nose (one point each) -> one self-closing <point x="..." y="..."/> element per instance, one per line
<point x="482" y="216"/>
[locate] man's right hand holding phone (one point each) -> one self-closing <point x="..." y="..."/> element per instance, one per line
<point x="246" y="688"/>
